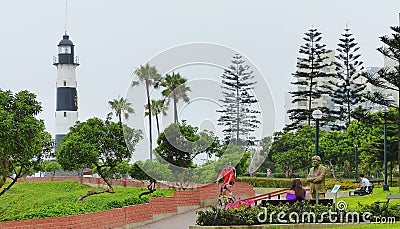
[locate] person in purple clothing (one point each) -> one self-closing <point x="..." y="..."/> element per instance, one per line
<point x="296" y="191"/>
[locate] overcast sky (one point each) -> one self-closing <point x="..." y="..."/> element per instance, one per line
<point x="112" y="38"/>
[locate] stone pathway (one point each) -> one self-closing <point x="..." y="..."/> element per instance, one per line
<point x="180" y="221"/>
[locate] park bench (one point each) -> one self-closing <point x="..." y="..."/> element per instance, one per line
<point x="324" y="202"/>
<point x="267" y="198"/>
<point x="386" y="203"/>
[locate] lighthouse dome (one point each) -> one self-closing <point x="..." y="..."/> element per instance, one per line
<point x="66" y="41"/>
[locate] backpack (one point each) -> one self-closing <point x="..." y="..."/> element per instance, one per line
<point x="234" y="172"/>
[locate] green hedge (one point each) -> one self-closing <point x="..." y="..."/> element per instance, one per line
<point x="285" y="183"/>
<point x="270" y="214"/>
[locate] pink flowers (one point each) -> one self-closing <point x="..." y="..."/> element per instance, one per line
<point x="240" y="203"/>
<point x="319" y="173"/>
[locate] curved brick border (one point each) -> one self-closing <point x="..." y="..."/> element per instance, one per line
<point x="140" y="214"/>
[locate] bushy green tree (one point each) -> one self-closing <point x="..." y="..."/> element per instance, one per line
<point x="292" y="151"/>
<point x="180" y="143"/>
<point x="51" y="167"/>
<point x="96" y="144"/>
<point x="24" y="143"/>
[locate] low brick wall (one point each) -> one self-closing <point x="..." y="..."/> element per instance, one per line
<point x="133" y="215"/>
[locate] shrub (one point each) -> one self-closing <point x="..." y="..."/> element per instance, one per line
<point x="298" y="212"/>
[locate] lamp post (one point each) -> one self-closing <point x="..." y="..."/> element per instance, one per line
<point x="317" y="115"/>
<point x="356" y="161"/>
<point x="385" y="111"/>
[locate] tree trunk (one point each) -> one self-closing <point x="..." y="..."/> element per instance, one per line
<point x="9" y="186"/>
<point x="4" y="171"/>
<point x="150" y="135"/>
<point x="175" y="107"/>
<point x="93" y="192"/>
<point x="158" y="124"/>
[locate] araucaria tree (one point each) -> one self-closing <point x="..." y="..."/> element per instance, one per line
<point x="149" y="76"/>
<point x="239" y="114"/>
<point x="346" y="90"/>
<point x="97" y="144"/>
<point x="24" y="143"/>
<point x="311" y="69"/>
<point x="388" y="78"/>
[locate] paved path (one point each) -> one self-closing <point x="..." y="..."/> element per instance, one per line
<point x="180" y="221"/>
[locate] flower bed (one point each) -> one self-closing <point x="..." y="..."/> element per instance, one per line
<point x="242" y="213"/>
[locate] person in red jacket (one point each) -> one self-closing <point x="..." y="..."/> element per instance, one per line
<point x="228" y="173"/>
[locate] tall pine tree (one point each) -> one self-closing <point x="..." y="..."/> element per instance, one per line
<point x="239" y="117"/>
<point x="388" y="78"/>
<point x="346" y="88"/>
<point x="310" y="69"/>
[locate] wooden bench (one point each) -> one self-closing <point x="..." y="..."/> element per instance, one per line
<point x="388" y="197"/>
<point x="324" y="202"/>
<point x="269" y="195"/>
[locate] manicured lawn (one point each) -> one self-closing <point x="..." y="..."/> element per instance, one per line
<point x="370" y="226"/>
<point x="377" y="195"/>
<point x="54" y="199"/>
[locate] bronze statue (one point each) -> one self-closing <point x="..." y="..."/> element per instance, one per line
<point x="317" y="178"/>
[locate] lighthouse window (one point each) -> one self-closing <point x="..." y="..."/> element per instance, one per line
<point x="65" y="114"/>
<point x="65" y="83"/>
<point x="64" y="49"/>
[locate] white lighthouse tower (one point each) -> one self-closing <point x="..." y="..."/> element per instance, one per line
<point x="67" y="99"/>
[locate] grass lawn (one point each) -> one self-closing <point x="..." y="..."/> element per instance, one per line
<point x="369" y="226"/>
<point x="377" y="195"/>
<point x="54" y="199"/>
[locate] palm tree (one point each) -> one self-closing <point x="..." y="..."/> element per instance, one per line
<point x="149" y="76"/>
<point x="121" y="106"/>
<point x="175" y="86"/>
<point x="157" y="107"/>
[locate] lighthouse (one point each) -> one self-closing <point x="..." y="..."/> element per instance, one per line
<point x="67" y="97"/>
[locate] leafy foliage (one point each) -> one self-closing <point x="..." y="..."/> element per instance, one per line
<point x="388" y="78"/>
<point x="96" y="144"/>
<point x="180" y="143"/>
<point x="122" y="108"/>
<point x="175" y="90"/>
<point x="293" y="150"/>
<point x="24" y="143"/>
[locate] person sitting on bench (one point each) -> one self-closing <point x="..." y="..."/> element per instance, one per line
<point x="296" y="191"/>
<point x="366" y="186"/>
